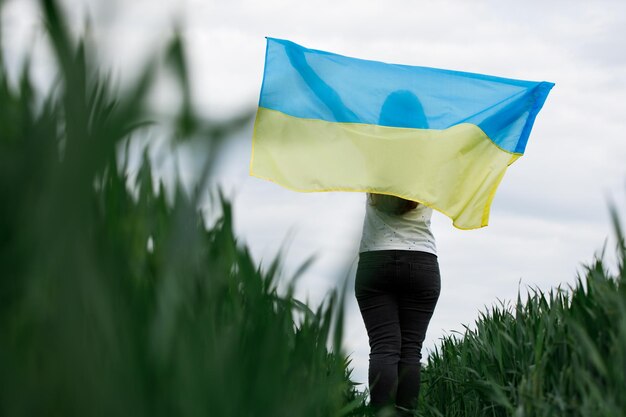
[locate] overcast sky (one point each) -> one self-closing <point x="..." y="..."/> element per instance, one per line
<point x="550" y="213"/>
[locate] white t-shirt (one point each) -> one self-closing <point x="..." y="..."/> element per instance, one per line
<point x="409" y="231"/>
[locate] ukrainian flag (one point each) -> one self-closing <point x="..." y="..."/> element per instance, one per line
<point x="327" y="122"/>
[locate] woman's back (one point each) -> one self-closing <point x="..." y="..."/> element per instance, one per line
<point x="407" y="231"/>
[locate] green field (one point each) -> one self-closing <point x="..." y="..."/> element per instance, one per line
<point x="557" y="353"/>
<point x="115" y="300"/>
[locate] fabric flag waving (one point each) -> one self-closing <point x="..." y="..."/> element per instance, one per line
<point x="328" y="122"/>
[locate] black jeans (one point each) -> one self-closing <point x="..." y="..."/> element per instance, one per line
<point x="397" y="291"/>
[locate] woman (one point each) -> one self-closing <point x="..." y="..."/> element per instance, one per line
<point x="397" y="286"/>
<point x="397" y="281"/>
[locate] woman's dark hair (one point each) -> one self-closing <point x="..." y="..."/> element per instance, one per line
<point x="401" y="108"/>
<point x="391" y="204"/>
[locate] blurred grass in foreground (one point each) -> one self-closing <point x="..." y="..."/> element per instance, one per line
<point x="116" y="305"/>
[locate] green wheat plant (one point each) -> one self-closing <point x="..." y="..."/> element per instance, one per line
<point x="557" y="353"/>
<point x="115" y="301"/>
